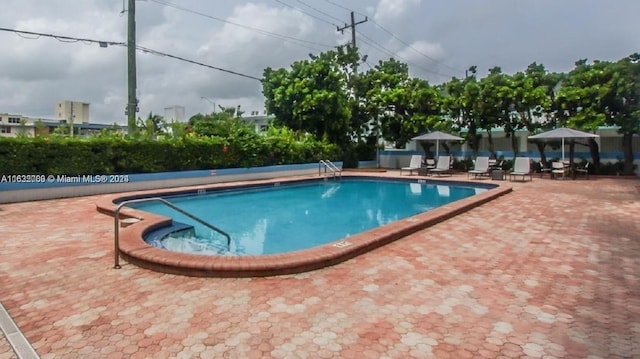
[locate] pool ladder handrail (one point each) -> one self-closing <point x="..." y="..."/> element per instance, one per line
<point x="116" y="240"/>
<point x="329" y="165"/>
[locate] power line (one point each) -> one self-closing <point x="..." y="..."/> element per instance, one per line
<point x="340" y="6"/>
<point x="263" y="32"/>
<point x="392" y="54"/>
<point x="102" y="43"/>
<point x="396" y="37"/>
<point x="160" y="53"/>
<point x="61" y="38"/>
<point x="319" y="11"/>
<point x="304" y="12"/>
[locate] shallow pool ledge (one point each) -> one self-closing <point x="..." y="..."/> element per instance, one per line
<point x="136" y="251"/>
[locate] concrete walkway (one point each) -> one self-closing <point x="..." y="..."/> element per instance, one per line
<point x="550" y="270"/>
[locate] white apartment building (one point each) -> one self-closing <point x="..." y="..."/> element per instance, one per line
<point x="174" y="113"/>
<point x="12" y="125"/>
<point x="72" y="111"/>
<point x="259" y="121"/>
<point x="66" y="113"/>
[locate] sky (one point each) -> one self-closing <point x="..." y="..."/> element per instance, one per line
<point x="438" y="39"/>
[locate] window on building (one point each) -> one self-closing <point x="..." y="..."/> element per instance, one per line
<point x="5" y="129"/>
<point x="14" y="119"/>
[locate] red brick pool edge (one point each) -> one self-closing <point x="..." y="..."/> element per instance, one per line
<point x="136" y="251"/>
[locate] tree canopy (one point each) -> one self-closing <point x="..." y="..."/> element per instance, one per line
<point x="326" y="97"/>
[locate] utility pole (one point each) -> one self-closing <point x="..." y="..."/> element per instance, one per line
<point x="132" y="103"/>
<point x="353" y="36"/>
<point x="353" y="28"/>
<point x="354" y="75"/>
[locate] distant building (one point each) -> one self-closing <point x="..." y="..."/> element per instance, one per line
<point x="259" y="121"/>
<point x="66" y="113"/>
<point x="12" y="125"/>
<point x="174" y="113"/>
<point x="69" y="111"/>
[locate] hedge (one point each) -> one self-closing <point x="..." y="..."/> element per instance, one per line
<point x="83" y="156"/>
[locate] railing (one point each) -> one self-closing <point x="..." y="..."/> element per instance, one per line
<point x="116" y="240"/>
<point x="330" y="166"/>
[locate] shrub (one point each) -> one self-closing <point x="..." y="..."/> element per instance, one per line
<point x="100" y="155"/>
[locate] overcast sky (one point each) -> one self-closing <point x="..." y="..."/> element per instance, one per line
<point x="438" y="39"/>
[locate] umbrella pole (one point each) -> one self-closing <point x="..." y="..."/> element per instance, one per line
<point x="437" y="148"/>
<point x="562" y="149"/>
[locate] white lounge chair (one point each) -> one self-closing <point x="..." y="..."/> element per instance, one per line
<point x="559" y="170"/>
<point x="521" y="167"/>
<point x="480" y="168"/>
<point x="443" y="165"/>
<point x="414" y="164"/>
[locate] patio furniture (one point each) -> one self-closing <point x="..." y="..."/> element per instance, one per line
<point x="414" y="164"/>
<point x="544" y="169"/>
<point x="443" y="166"/>
<point x="559" y="168"/>
<point x="497" y="175"/>
<point x="480" y="168"/>
<point x="427" y="165"/>
<point x="583" y="170"/>
<point x="521" y="167"/>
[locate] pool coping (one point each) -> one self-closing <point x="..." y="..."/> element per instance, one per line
<point x="136" y="251"/>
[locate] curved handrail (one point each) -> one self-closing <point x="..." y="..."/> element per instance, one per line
<point x="331" y="166"/>
<point x="116" y="240"/>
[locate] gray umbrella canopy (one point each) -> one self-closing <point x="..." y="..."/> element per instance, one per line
<point x="562" y="133"/>
<point x="437" y="136"/>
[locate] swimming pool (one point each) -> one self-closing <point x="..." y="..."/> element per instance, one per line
<point x="132" y="248"/>
<point x="296" y="216"/>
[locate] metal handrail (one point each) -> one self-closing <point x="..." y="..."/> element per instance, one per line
<point x="116" y="240"/>
<point x="331" y="166"/>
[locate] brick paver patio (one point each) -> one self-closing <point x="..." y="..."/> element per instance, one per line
<point x="549" y="270"/>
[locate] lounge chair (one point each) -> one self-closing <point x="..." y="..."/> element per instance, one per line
<point x="480" y="168"/>
<point x="583" y="170"/>
<point x="429" y="163"/>
<point x="544" y="169"/>
<point x="559" y="169"/>
<point x="414" y="164"/>
<point x="521" y="167"/>
<point x="443" y="166"/>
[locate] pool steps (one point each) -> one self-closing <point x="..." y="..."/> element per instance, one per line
<point x="155" y="236"/>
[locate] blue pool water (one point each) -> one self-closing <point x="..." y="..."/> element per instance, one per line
<point x="292" y="217"/>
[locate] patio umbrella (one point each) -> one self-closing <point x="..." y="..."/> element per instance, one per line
<point x="563" y="133"/>
<point x="437" y="136"/>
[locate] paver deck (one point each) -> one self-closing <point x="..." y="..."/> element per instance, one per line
<point x="549" y="270"/>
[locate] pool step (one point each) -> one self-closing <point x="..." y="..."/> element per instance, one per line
<point x="155" y="237"/>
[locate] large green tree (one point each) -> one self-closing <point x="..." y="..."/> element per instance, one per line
<point x="622" y="103"/>
<point x="580" y="101"/>
<point x="313" y="96"/>
<point x="495" y="104"/>
<point x="460" y="103"/>
<point x="387" y="98"/>
<point x="533" y="94"/>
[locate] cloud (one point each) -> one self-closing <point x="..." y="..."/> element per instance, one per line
<point x="421" y="51"/>
<point x="36" y="73"/>
<point x="427" y="58"/>
<point x="391" y="9"/>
